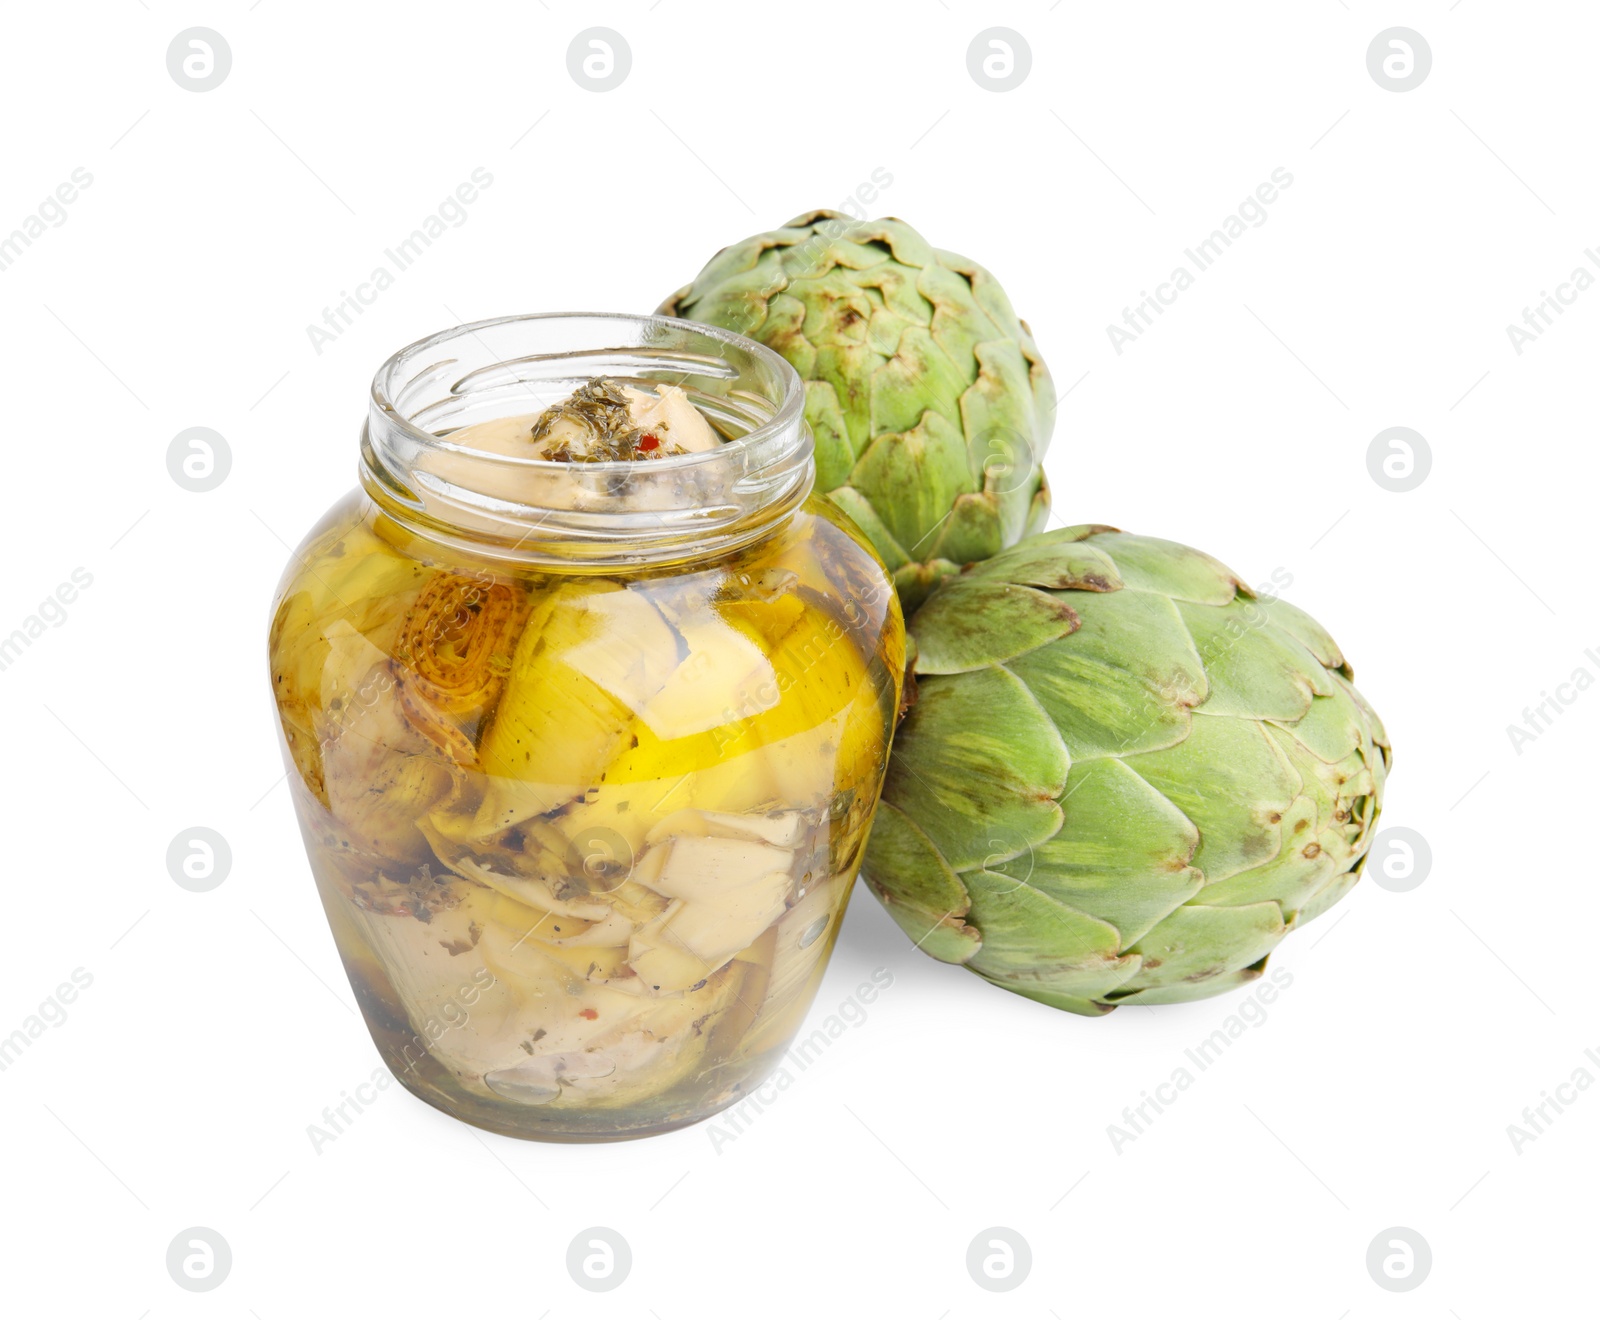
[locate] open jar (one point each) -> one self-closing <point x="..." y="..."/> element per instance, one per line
<point x="584" y="753"/>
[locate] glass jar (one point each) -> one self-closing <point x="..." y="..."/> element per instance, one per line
<point x="585" y="781"/>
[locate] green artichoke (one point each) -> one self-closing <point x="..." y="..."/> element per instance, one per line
<point x="1126" y="775"/>
<point x="930" y="405"/>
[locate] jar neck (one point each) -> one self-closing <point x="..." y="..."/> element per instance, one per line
<point x="585" y="515"/>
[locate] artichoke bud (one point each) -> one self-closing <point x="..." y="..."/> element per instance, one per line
<point x="928" y="401"/>
<point x="1126" y="775"/>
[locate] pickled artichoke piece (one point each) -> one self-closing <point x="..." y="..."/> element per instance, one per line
<point x="457" y="1011"/>
<point x="662" y="962"/>
<point x="381" y="774"/>
<point x="591" y="655"/>
<point x="574" y="1004"/>
<point x="603" y="422"/>
<point x="739" y="783"/>
<point x="536" y="895"/>
<point x="724" y="677"/>
<point x="537" y="1081"/>
<point x="668" y="414"/>
<point x="450" y="656"/>
<point x="743" y="878"/>
<point x="353" y="574"/>
<point x="554" y="881"/>
<point x="802" y="942"/>
<point x="804" y="939"/>
<point x="604" y="830"/>
<point x="606" y="421"/>
<point x="715" y="930"/>
<point x="352" y="674"/>
<point x="782" y="829"/>
<point x="351" y="583"/>
<point x="595" y="966"/>
<point x="782" y="733"/>
<point x="819" y="671"/>
<point x="613" y="931"/>
<point x="727" y="892"/>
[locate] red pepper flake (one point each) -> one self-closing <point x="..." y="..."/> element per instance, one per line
<point x="590" y="1013"/>
<point x="649" y="442"/>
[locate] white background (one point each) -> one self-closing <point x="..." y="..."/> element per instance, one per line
<point x="1378" y="1090"/>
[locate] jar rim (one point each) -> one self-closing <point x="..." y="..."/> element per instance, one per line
<point x="694" y="501"/>
<point x="788" y="410"/>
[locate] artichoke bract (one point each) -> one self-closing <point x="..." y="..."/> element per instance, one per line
<point x="930" y="406"/>
<point x="1126" y="775"/>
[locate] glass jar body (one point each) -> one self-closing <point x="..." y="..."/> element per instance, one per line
<point x="584" y="834"/>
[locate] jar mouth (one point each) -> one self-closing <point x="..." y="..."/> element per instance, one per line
<point x="635" y="511"/>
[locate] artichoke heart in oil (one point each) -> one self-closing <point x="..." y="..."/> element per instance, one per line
<point x="583" y="836"/>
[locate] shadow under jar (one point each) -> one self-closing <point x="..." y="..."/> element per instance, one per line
<point x="584" y="753"/>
